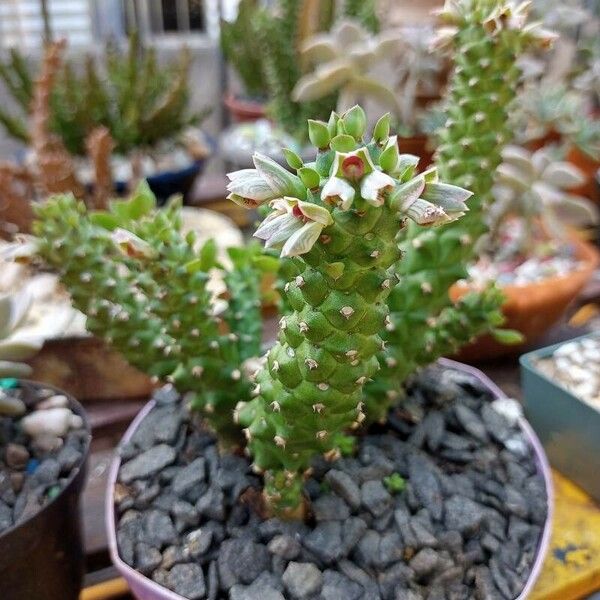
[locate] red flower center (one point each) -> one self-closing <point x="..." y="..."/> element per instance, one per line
<point x="297" y="212"/>
<point x="353" y="167"/>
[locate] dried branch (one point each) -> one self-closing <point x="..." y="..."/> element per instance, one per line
<point x="100" y="145"/>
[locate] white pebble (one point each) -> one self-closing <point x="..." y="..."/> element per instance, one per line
<point x="54" y="421"/>
<point x="58" y="401"/>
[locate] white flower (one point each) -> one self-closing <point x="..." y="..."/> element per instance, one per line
<point x="247" y="188"/>
<point x="375" y="185"/>
<point x="338" y="192"/>
<point x="295" y="225"/>
<point x="131" y="245"/>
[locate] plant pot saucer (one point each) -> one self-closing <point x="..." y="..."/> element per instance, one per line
<point x="145" y="588"/>
<point x="534" y="308"/>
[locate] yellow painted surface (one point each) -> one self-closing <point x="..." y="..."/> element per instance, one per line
<point x="572" y="567"/>
<point x="108" y="590"/>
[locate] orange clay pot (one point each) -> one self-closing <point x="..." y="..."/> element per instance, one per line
<point x="419" y="146"/>
<point x="590" y="167"/>
<point x="243" y="110"/>
<point x="534" y="308"/>
<point x="552" y="137"/>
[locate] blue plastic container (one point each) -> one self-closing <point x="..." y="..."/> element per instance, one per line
<point x="568" y="427"/>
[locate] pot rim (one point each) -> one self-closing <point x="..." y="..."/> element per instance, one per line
<point x="75" y="473"/>
<point x="138" y="581"/>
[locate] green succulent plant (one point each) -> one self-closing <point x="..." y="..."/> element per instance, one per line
<point x="281" y="33"/>
<point x="143" y="286"/>
<point x="533" y="187"/>
<point x="343" y="59"/>
<point x="487" y="37"/>
<point x="337" y="219"/>
<point x="140" y="102"/>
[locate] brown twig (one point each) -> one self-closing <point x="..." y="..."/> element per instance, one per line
<point x="56" y="172"/>
<point x="100" y="145"/>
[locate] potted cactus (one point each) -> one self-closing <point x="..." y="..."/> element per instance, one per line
<point x="254" y="483"/>
<point x="143" y="107"/>
<point x="44" y="443"/>
<point x="240" y="44"/>
<point x="531" y="249"/>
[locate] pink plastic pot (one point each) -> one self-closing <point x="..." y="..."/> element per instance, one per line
<point x="144" y="588"/>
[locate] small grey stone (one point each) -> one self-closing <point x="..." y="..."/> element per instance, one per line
<point x="330" y="507"/>
<point x="353" y="572"/>
<point x="162" y="425"/>
<point x="496" y="424"/>
<point x="285" y="546"/>
<point x="241" y="561"/>
<point x="213" y="581"/>
<point x="161" y="576"/>
<point x="68" y="457"/>
<point x="11" y="406"/>
<point x="126" y="547"/>
<point x="375" y="498"/>
<point x="515" y="502"/>
<point x="147" y="558"/>
<point x="173" y="555"/>
<point x="463" y="515"/>
<point x="197" y="542"/>
<point x="189" y="477"/>
<point x="422" y="535"/>
<point x="485" y="589"/>
<point x="390" y="548"/>
<point x="344" y="486"/>
<point x="338" y="587"/>
<point x="148" y="463"/>
<point x="187" y="580"/>
<point x="424" y="562"/>
<point x="490" y="543"/>
<point x="471" y="422"/>
<point x="167" y="394"/>
<point x="325" y="541"/>
<point x="232" y="470"/>
<point x="302" y="580"/>
<point x="367" y="551"/>
<point x="48" y="471"/>
<point x="6" y="516"/>
<point x="352" y="530"/>
<point x="158" y="529"/>
<point x="424" y="482"/>
<point x="147" y="494"/>
<point x="394" y="578"/>
<point x="212" y="504"/>
<point x="434" y="427"/>
<point x="185" y="512"/>
<point x="255" y="592"/>
<point x="407" y="595"/>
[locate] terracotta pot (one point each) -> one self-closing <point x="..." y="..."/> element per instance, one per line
<point x="590" y="168"/>
<point x="419" y="146"/>
<point x="552" y="137"/>
<point x="243" y="110"/>
<point x="144" y="588"/>
<point x="534" y="308"/>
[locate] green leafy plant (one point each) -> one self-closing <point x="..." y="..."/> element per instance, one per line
<point x="138" y="101"/>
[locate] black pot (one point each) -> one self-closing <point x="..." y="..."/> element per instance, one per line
<point x="43" y="557"/>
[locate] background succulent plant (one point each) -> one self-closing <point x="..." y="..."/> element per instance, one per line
<point x="138" y="101"/>
<point x="487" y="37"/>
<point x="343" y="59"/>
<point x="337" y="219"/>
<point x="533" y="187"/>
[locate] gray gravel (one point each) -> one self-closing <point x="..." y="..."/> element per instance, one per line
<point x="466" y="525"/>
